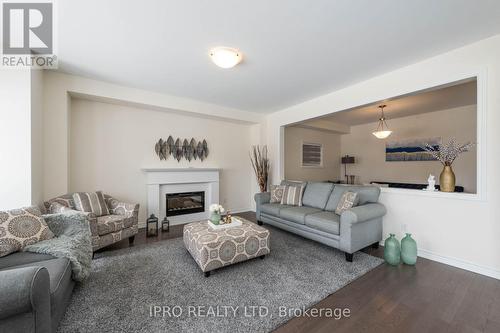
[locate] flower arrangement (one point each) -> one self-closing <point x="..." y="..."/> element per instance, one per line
<point x="260" y="164"/>
<point x="447" y="153"/>
<point x="216" y="208"/>
<point x="215" y="213"/>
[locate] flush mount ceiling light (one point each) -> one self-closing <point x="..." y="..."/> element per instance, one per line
<point x="225" y="57"/>
<point x="382" y="130"/>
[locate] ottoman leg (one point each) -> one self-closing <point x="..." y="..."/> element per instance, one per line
<point x="260" y="223"/>
<point x="207" y="274"/>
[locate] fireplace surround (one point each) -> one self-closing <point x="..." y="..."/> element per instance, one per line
<point x="163" y="181"/>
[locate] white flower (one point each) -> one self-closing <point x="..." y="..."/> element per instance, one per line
<point x="216" y="208"/>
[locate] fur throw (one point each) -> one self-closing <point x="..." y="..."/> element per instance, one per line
<point x="72" y="241"/>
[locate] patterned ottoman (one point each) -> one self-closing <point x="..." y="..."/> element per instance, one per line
<point x="212" y="249"/>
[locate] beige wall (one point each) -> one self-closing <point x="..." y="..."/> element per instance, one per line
<point x="441" y="223"/>
<point x="294" y="136"/>
<point x="109" y="144"/>
<point x="370" y="151"/>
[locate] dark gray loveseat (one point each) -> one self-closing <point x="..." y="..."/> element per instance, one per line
<point x="355" y="229"/>
<point x="34" y="292"/>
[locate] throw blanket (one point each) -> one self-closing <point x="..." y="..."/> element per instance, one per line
<point x="72" y="241"/>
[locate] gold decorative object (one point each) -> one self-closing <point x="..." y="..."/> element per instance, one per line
<point x="447" y="179"/>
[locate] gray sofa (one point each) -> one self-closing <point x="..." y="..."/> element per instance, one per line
<point x="35" y="290"/>
<point x="355" y="229"/>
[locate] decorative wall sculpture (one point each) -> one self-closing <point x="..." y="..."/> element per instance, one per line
<point x="179" y="149"/>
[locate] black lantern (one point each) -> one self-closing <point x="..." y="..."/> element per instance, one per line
<point x="165" y="225"/>
<point x="152" y="226"/>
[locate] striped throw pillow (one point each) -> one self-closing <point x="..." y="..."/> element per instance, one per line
<point x="91" y="203"/>
<point x="292" y="195"/>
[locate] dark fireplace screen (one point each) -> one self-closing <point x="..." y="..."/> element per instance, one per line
<point x="185" y="203"/>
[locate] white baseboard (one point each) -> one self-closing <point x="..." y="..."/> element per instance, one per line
<point x="458" y="263"/>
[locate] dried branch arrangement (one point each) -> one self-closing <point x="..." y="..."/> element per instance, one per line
<point x="260" y="164"/>
<point x="447" y="153"/>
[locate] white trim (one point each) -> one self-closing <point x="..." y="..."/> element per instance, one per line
<point x="436" y="194"/>
<point x="481" y="79"/>
<point x="459" y="263"/>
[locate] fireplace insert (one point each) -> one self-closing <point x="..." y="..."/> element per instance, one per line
<point x="185" y="203"/>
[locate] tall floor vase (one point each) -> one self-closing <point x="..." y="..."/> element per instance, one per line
<point x="409" y="250"/>
<point x="392" y="250"/>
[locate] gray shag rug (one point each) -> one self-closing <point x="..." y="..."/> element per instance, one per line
<point x="126" y="285"/>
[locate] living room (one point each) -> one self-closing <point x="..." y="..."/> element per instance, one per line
<point x="141" y="185"/>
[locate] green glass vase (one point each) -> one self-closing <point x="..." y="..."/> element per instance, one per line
<point x="215" y="218"/>
<point x="392" y="250"/>
<point x="409" y="250"/>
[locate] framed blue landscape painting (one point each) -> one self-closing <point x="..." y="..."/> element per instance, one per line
<point x="409" y="150"/>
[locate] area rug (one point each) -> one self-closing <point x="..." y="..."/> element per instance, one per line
<point x="159" y="288"/>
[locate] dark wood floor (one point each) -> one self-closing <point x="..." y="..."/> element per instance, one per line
<point x="430" y="297"/>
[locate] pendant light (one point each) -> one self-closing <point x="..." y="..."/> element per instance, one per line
<point x="382" y="130"/>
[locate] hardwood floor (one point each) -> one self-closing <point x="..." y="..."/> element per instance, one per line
<point x="430" y="297"/>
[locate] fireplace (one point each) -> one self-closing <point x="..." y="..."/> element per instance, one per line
<point x="185" y="203"/>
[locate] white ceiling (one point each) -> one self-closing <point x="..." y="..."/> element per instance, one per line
<point x="293" y="50"/>
<point x="422" y="102"/>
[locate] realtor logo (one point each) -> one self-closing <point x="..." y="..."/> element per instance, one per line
<point x="28" y="35"/>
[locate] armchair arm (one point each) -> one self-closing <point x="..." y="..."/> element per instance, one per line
<point x="262" y="198"/>
<point x="26" y="290"/>
<point x="363" y="213"/>
<point x="122" y="208"/>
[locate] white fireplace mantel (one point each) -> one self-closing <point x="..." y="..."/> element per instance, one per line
<point x="160" y="181"/>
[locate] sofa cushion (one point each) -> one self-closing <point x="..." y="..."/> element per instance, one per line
<point x="366" y="194"/>
<point x="91" y="202"/>
<point x="273" y="208"/>
<point x="324" y="221"/>
<point x="316" y="194"/>
<point x="297" y="214"/>
<point x="112" y="223"/>
<point x="21" y="258"/>
<point x="21" y="227"/>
